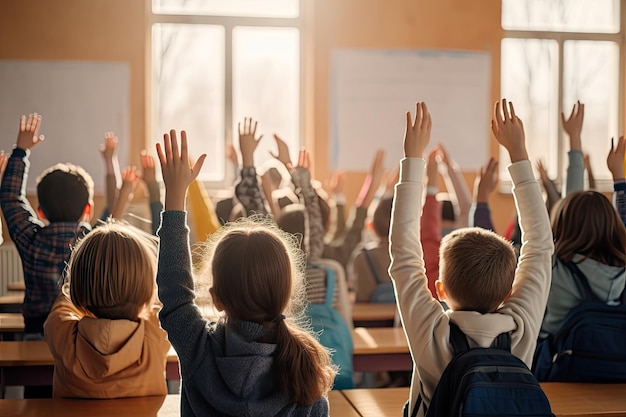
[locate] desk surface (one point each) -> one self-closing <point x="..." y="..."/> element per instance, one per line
<point x="16" y="297"/>
<point x="373" y="312"/>
<point x="37" y="353"/>
<point x="566" y="400"/>
<point x="16" y="286"/>
<point x="160" y="406"/>
<point x="379" y="340"/>
<point x="11" y="322"/>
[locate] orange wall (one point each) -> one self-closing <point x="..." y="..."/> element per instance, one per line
<point x="115" y="30"/>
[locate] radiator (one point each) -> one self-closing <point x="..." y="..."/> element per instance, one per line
<point x="10" y="266"/>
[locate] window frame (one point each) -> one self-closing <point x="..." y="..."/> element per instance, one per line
<point x="229" y="23"/>
<point x="560" y="37"/>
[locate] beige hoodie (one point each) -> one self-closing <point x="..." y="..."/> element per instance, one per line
<point x="101" y="358"/>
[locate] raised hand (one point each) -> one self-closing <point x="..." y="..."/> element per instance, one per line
<point x="417" y="133"/>
<point x="372" y="180"/>
<point x="283" y="152"/>
<point x="508" y="130"/>
<point x="231" y="155"/>
<point x="108" y="149"/>
<point x="247" y="141"/>
<point x="175" y="167"/>
<point x="130" y="180"/>
<point x="147" y="166"/>
<point x="432" y="173"/>
<point x="615" y="159"/>
<point x="336" y="184"/>
<point x="573" y="125"/>
<point x="29" y="129"/>
<point x="487" y="181"/>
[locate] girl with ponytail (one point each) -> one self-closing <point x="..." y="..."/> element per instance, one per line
<point x="255" y="359"/>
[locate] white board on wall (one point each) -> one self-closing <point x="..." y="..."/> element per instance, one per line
<point x="371" y="91"/>
<point x="79" y="102"/>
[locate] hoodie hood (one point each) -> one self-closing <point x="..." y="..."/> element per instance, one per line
<point x="106" y="347"/>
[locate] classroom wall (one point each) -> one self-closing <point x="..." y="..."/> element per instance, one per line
<point x="115" y="30"/>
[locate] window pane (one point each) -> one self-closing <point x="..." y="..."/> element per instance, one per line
<point x="529" y="79"/>
<point x="251" y="8"/>
<point x="590" y="74"/>
<point x="266" y="86"/>
<point x="561" y="15"/>
<point x="188" y="89"/>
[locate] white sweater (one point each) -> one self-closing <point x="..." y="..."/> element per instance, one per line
<point x="425" y="322"/>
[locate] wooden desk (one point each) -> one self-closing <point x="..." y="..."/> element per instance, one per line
<point x="11" y="323"/>
<point x="373" y="314"/>
<point x="16" y="286"/>
<point x="31" y="363"/>
<point x="11" y="303"/>
<point x="339" y="405"/>
<point x="160" y="406"/>
<point x="566" y="400"/>
<point x="380" y="349"/>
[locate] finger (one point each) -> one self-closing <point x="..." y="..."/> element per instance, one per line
<point x="425" y="116"/>
<point x="254" y="128"/>
<point x="573" y="111"/>
<point x="259" y="139"/>
<point x="505" y="111"/>
<point x="419" y="115"/>
<point x="497" y="115"/>
<point x="36" y="124"/>
<point x="409" y="122"/>
<point x="307" y="160"/>
<point x="161" y="155"/>
<point x="239" y="128"/>
<point x="513" y="116"/>
<point x="246" y="125"/>
<point x="175" y="151"/>
<point x="195" y="170"/>
<point x="184" y="150"/>
<point x="22" y="123"/>
<point x="612" y="145"/>
<point x="167" y="142"/>
<point x="581" y="111"/>
<point x="41" y="138"/>
<point x="301" y="157"/>
<point x="29" y="122"/>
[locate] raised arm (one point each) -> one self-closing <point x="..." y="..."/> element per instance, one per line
<point x="247" y="190"/>
<point x="457" y="187"/>
<point x="148" y="175"/>
<point x="180" y="317"/>
<point x="486" y="182"/>
<point x="22" y="221"/>
<point x="108" y="151"/>
<point x="573" y="126"/>
<point x="130" y="181"/>
<point x="529" y="294"/>
<point x="615" y="162"/>
<point x="431" y="222"/>
<point x="552" y="192"/>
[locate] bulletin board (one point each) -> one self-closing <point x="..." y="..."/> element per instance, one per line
<point x="79" y="102"/>
<point x="371" y="91"/>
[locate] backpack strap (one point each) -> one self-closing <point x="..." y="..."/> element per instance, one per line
<point x="581" y="282"/>
<point x="458" y="339"/>
<point x="503" y="341"/>
<point x="372" y="265"/>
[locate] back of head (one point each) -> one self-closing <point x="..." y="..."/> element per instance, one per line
<point x="292" y="220"/>
<point x="586" y="223"/>
<point x="63" y="191"/>
<point x="258" y="275"/>
<point x="477" y="268"/>
<point x="112" y="272"/>
<point x="382" y="217"/>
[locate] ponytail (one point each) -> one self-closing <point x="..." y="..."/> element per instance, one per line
<point x="303" y="366"/>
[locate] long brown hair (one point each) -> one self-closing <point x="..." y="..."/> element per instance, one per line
<point x="257" y="276"/>
<point x="112" y="272"/>
<point x="586" y="223"/>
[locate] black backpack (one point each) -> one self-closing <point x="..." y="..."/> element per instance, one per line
<point x="590" y="346"/>
<point x="485" y="382"/>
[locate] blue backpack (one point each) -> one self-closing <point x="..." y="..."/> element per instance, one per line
<point x="333" y="333"/>
<point x="485" y="382"/>
<point x="384" y="292"/>
<point x="590" y="346"/>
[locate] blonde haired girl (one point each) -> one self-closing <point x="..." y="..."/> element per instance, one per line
<point x="102" y="330"/>
<point x="254" y="360"/>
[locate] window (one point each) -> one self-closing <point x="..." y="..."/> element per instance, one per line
<point x="555" y="52"/>
<point x="215" y="62"/>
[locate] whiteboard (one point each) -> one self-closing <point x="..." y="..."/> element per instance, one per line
<point x="79" y="101"/>
<point x="371" y="91"/>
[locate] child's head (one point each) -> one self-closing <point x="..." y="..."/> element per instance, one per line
<point x="65" y="193"/>
<point x="586" y="223"/>
<point x="382" y="218"/>
<point x="257" y="275"/>
<point x="477" y="268"/>
<point x="112" y="272"/>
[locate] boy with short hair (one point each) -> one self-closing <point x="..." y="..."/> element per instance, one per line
<point x="65" y="194"/>
<point x="487" y="291"/>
